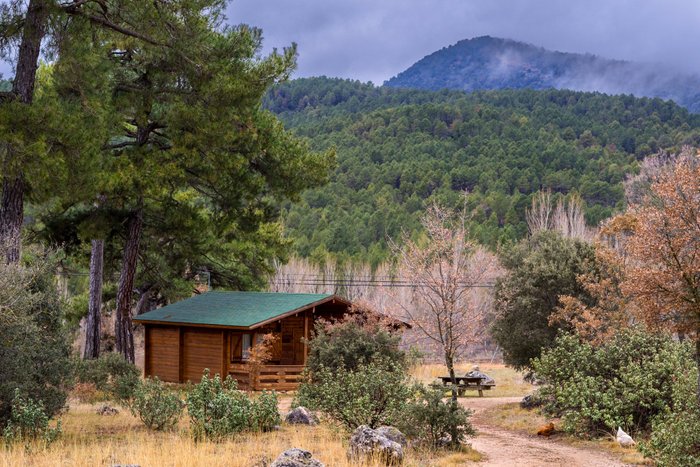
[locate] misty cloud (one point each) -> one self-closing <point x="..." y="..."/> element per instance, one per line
<point x="374" y="40"/>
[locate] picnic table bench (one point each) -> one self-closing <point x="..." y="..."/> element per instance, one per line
<point x="464" y="383"/>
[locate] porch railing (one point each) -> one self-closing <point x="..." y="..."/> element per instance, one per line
<point x="278" y="377"/>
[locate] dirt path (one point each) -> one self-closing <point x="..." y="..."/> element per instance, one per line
<point x="508" y="448"/>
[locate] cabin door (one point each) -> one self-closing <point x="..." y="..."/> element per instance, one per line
<point x="298" y="347"/>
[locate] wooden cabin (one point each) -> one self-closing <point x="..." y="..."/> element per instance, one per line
<point x="216" y="330"/>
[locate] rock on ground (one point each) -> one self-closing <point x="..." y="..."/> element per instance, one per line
<point x="393" y="434"/>
<point x="301" y="416"/>
<point x="366" y="442"/>
<point x="107" y="410"/>
<point x="296" y="457"/>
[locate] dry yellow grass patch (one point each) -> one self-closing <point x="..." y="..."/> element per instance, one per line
<point x="508" y="381"/>
<point x="93" y="440"/>
<point x="513" y="417"/>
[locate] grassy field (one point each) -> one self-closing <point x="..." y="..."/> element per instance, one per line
<point x="90" y="439"/>
<point x="508" y="381"/>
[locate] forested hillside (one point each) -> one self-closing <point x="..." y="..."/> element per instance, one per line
<point x="397" y="148"/>
<point x="493" y="63"/>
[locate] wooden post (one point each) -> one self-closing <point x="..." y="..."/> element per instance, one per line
<point x="306" y="334"/>
<point x="180" y="360"/>
<point x="146" y="351"/>
<point x="223" y="355"/>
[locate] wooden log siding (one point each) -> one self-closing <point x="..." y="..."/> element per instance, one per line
<point x="201" y="348"/>
<point x="163" y="353"/>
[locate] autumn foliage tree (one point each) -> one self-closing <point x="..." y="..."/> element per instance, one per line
<point x="606" y="309"/>
<point x="445" y="271"/>
<point x="664" y="251"/>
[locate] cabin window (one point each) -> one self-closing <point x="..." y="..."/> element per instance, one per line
<point x="240" y="346"/>
<point x="246" y="342"/>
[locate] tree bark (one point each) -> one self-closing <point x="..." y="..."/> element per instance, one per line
<point x="449" y="362"/>
<point x="12" y="204"/>
<point x="12" y="217"/>
<point x="92" y="324"/>
<point x="123" y="327"/>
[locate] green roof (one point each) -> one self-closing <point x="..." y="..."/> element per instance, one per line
<point x="239" y="309"/>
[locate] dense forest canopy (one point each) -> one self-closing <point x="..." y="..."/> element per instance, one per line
<point x="398" y="148"/>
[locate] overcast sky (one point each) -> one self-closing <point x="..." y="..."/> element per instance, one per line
<point x="373" y="40"/>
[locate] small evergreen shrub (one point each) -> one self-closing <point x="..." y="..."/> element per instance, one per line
<point x="155" y="405"/>
<point x="219" y="410"/>
<point x="434" y="421"/>
<point x="264" y="412"/>
<point x="356" y="340"/>
<point x="29" y="422"/>
<point x="373" y="394"/>
<point x="675" y="436"/>
<point x="110" y="373"/>
<point x="625" y="382"/>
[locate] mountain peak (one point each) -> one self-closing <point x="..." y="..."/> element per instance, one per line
<point x="486" y="62"/>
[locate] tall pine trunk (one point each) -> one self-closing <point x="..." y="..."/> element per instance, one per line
<point x="123" y="327"/>
<point x="12" y="216"/>
<point x="92" y="324"/>
<point x="12" y="203"/>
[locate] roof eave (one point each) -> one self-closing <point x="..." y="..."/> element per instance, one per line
<point x="333" y="298"/>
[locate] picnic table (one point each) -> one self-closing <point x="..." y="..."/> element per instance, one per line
<point x="479" y="383"/>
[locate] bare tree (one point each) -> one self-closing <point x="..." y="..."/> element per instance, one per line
<point x="445" y="273"/>
<point x="539" y="216"/>
<point x="298" y="275"/>
<point x="567" y="217"/>
<point x="357" y="278"/>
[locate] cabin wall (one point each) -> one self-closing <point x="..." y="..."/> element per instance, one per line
<point x="163" y="353"/>
<point x="201" y="348"/>
<point x="179" y="354"/>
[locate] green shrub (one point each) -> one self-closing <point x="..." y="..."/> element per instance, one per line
<point x="625" y="382"/>
<point x="539" y="270"/>
<point x="675" y="437"/>
<point x="110" y="373"/>
<point x="218" y="410"/>
<point x="264" y="414"/>
<point x="29" y="422"/>
<point x="155" y="405"/>
<point x="355" y="341"/>
<point x="373" y="394"/>
<point x="434" y="421"/>
<point x="34" y="342"/>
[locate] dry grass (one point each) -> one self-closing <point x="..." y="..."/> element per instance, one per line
<point x="513" y="417"/>
<point x="508" y="381"/>
<point x="93" y="440"/>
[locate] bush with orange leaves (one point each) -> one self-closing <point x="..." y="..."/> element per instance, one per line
<point x="663" y="276"/>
